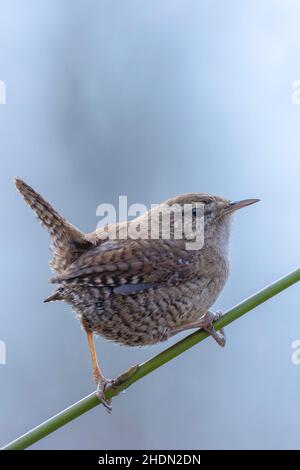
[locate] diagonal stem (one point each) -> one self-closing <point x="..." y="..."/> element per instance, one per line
<point x="136" y="373"/>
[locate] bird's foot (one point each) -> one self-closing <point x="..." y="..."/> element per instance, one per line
<point x="205" y="323"/>
<point x="208" y="325"/>
<point x="101" y="387"/>
<point x="104" y="383"/>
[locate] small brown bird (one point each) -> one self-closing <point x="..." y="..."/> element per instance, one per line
<point x="140" y="291"/>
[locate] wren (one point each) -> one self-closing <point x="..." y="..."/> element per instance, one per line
<point x="139" y="291"/>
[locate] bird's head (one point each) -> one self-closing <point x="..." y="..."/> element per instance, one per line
<point x="214" y="211"/>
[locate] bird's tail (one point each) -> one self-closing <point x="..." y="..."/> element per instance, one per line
<point x="57" y="226"/>
<point x="67" y="240"/>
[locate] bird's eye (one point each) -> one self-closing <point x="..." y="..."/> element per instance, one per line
<point x="206" y="210"/>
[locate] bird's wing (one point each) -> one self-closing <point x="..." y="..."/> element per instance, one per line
<point x="143" y="263"/>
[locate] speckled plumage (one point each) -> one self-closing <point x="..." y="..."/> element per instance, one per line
<point x="137" y="292"/>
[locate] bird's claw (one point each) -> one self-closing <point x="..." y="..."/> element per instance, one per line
<point x="219" y="336"/>
<point x="101" y="387"/>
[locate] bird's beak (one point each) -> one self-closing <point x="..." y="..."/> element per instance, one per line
<point x="236" y="205"/>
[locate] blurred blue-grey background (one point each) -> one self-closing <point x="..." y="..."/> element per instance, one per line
<point x="152" y="99"/>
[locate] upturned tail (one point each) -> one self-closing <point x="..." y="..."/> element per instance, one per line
<point x="68" y="242"/>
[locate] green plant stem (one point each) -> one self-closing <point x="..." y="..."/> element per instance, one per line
<point x="138" y="372"/>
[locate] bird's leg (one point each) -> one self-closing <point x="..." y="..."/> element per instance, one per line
<point x="206" y="323"/>
<point x="101" y="381"/>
